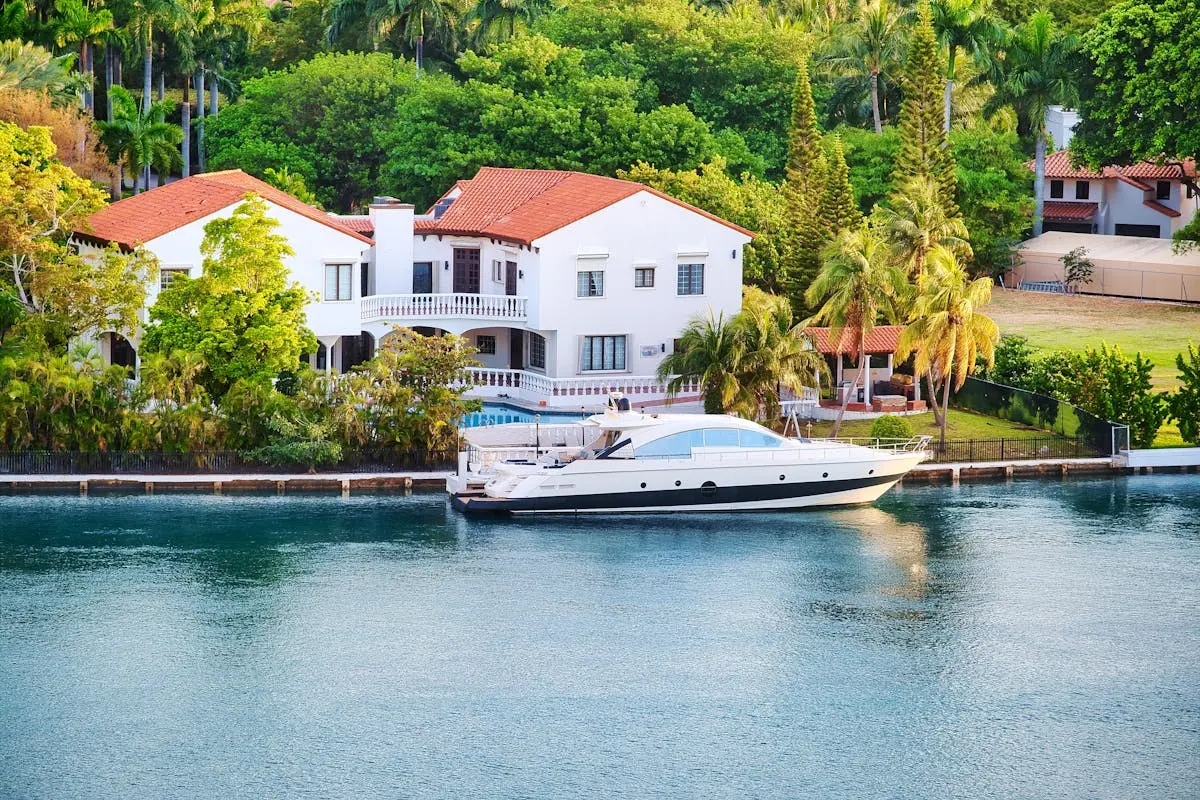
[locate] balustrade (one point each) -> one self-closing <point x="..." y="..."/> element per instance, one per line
<point x="442" y="306"/>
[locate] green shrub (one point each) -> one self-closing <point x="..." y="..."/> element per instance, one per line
<point x="888" y="427"/>
<point x="1185" y="402"/>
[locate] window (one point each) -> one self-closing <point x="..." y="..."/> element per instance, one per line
<point x="1162" y="191"/>
<point x="486" y="345"/>
<point x="643" y="277"/>
<point x="364" y="273"/>
<point x="423" y="277"/>
<point x="680" y="445"/>
<point x="1056" y="189"/>
<point x="591" y="283"/>
<point x="1082" y="189"/>
<point x="758" y="439"/>
<point x="537" y="351"/>
<point x="168" y="274"/>
<point x="691" y="279"/>
<point x="498" y="271"/>
<point x="602" y="353"/>
<point x="337" y="281"/>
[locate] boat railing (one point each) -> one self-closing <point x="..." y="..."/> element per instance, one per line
<point x="912" y="444"/>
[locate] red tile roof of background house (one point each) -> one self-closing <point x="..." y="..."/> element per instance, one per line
<point x="1058" y="165"/>
<point x="146" y="216"/>
<point x="1069" y="210"/>
<point x="521" y="205"/>
<point x="1160" y="208"/>
<point x="881" y="339"/>
<point x="361" y="223"/>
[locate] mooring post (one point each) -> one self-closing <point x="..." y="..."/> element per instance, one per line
<point x="216" y="487"/>
<point x="83" y="488"/>
<point x="280" y="486"/>
<point x="954" y="476"/>
<point x="346" y="488"/>
<point x="149" y="487"/>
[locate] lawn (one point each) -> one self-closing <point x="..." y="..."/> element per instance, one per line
<point x="962" y="425"/>
<point x="1073" y="322"/>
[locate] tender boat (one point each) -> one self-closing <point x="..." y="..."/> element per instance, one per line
<point x="626" y="461"/>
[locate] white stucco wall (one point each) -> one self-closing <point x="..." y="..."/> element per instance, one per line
<point x="641" y="230"/>
<point x="314" y="244"/>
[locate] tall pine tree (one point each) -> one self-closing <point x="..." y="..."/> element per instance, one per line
<point x="924" y="149"/>
<point x="803" y="189"/>
<point x="839" y="212"/>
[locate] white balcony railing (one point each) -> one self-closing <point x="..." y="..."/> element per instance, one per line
<point x="500" y="307"/>
<point x="573" y="391"/>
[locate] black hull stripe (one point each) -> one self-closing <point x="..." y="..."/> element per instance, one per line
<point x="668" y="497"/>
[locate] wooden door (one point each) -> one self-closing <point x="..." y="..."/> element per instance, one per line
<point x="466" y="270"/>
<point x="516" y="349"/>
<point x="510" y="278"/>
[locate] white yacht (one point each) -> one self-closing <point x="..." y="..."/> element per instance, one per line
<point x="626" y="461"/>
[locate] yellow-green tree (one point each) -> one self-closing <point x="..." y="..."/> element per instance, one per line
<point x="947" y="329"/>
<point x="42" y="202"/>
<point x="241" y="316"/>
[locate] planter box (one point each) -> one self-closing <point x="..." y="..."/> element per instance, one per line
<point x="889" y="403"/>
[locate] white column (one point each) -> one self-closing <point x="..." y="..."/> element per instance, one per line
<point x="329" y="342"/>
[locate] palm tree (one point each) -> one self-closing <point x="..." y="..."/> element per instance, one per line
<point x="707" y="352"/>
<point x="966" y="25"/>
<point x="416" y="17"/>
<point x="499" y="20"/>
<point x="776" y="354"/>
<point x="1034" y="73"/>
<point x="145" y="17"/>
<point x="141" y="140"/>
<point x="873" y="45"/>
<point x="917" y="222"/>
<point x="77" y="25"/>
<point x="947" y="330"/>
<point x="857" y="283"/>
<point x="25" y="66"/>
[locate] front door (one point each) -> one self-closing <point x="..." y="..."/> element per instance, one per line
<point x="510" y="278"/>
<point x="466" y="270"/>
<point x="516" y="349"/>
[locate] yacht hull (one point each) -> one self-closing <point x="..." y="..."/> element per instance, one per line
<point x="705" y="496"/>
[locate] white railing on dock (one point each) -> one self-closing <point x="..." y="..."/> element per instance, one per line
<point x="533" y="385"/>
<point x="443" y="306"/>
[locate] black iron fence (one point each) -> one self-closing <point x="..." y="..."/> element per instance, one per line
<point x="211" y="462"/>
<point x="1039" y="411"/>
<point x="978" y="450"/>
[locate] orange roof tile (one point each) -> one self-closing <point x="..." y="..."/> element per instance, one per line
<point x="521" y="205"/>
<point x="1068" y="210"/>
<point x="1160" y="208"/>
<point x="360" y="223"/>
<point x="881" y="339"/>
<point x="1058" y="165"/>
<point x="146" y="216"/>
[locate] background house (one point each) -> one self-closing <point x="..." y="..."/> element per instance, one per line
<point x="568" y="284"/>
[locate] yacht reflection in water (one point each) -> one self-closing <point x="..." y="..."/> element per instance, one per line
<point x="904" y="544"/>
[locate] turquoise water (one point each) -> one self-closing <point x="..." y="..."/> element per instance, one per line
<point x="502" y="413"/>
<point x="1039" y="639"/>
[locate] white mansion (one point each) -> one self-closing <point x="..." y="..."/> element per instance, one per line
<point x="568" y="284"/>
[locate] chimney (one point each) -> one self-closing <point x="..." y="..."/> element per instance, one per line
<point x="393" y="224"/>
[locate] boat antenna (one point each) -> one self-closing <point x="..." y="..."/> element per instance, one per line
<point x="537" y="435"/>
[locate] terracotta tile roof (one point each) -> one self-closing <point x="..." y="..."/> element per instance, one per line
<point x="521" y="205"/>
<point x="360" y="223"/>
<point x="1069" y="210"/>
<point x="881" y="339"/>
<point x="1160" y="208"/>
<point x="146" y="216"/>
<point x="1058" y="165"/>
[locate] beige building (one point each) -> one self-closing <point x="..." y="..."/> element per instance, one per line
<point x="1125" y="266"/>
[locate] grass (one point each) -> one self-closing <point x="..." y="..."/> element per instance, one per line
<point x="961" y="425"/>
<point x="1074" y="322"/>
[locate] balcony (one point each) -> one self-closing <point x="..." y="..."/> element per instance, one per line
<point x="481" y="307"/>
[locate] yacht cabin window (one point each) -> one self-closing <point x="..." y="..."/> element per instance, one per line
<point x="680" y="445"/>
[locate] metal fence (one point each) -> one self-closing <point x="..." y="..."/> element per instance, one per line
<point x="977" y="450"/>
<point x="211" y="462"/>
<point x="1038" y="411"/>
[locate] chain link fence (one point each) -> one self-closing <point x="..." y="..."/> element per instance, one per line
<point x="1098" y="435"/>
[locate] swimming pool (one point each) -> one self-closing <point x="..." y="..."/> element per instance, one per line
<point x="502" y="413"/>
